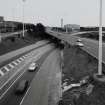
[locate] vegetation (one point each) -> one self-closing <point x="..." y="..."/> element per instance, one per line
<point x="79" y="65"/>
<point x="92" y="35"/>
<point x="91" y="28"/>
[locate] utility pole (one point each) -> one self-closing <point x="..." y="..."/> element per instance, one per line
<point x="100" y="41"/>
<point x="13" y="20"/>
<point x="23" y="16"/>
<point x="62" y="23"/>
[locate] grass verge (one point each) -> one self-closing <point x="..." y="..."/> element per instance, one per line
<point x="77" y="65"/>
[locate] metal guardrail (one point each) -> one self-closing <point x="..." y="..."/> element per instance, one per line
<point x="12" y="34"/>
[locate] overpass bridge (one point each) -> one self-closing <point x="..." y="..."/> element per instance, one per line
<point x="90" y="45"/>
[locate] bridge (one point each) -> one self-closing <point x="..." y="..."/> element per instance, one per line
<point x="90" y="45"/>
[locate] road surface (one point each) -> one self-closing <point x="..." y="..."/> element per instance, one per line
<point x="8" y="84"/>
<point x="45" y="88"/>
<point x="90" y="46"/>
<point x="12" y="54"/>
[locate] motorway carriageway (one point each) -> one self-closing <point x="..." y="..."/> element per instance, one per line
<point x="45" y="88"/>
<point x="90" y="46"/>
<point x="15" y="53"/>
<point x="8" y="85"/>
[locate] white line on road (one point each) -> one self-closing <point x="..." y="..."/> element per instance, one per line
<point x="21" y="59"/>
<point x="6" y="68"/>
<point x="14" y="81"/>
<point x="18" y="60"/>
<point x="1" y="72"/>
<point x="36" y="58"/>
<point x="14" y="63"/>
<point x="11" y="65"/>
<point x="24" y="57"/>
<point x="24" y="96"/>
<point x="28" y="89"/>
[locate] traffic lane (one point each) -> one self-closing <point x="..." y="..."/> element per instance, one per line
<point x="8" y="79"/>
<point x="45" y="82"/>
<point x="11" y="98"/>
<point x="17" y="52"/>
<point x="90" y="46"/>
<point x="17" y="56"/>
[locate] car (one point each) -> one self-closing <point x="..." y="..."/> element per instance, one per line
<point x="79" y="43"/>
<point x="33" y="67"/>
<point x="79" y="40"/>
<point x="21" y="87"/>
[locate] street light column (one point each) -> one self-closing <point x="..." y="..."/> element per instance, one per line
<point x="23" y="17"/>
<point x="100" y="41"/>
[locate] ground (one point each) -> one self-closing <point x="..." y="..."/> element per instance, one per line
<point x="8" y="45"/>
<point x="77" y="65"/>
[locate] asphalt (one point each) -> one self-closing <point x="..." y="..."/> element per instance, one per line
<point x="45" y="88"/>
<point x="10" y="98"/>
<point x="90" y="46"/>
<point x="15" y="53"/>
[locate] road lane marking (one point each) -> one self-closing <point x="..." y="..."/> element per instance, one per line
<point x="6" y="68"/>
<point x="24" y="57"/>
<point x="15" y="79"/>
<point x="21" y="58"/>
<point x="11" y="65"/>
<point x="25" y="95"/>
<point x="1" y="73"/>
<point x="29" y="87"/>
<point x="3" y="70"/>
<point x="14" y="63"/>
<point x="18" y="60"/>
<point x="35" y="59"/>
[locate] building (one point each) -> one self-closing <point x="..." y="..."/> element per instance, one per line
<point x="71" y="27"/>
<point x="7" y="26"/>
<point x="1" y="18"/>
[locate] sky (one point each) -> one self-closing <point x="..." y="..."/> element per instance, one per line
<point x="50" y="12"/>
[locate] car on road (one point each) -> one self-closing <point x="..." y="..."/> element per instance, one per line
<point x="79" y="40"/>
<point x="79" y="43"/>
<point x="32" y="67"/>
<point x="21" y="87"/>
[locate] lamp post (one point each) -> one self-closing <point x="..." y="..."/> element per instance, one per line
<point x="61" y="22"/>
<point x="100" y="41"/>
<point x="23" y="16"/>
<point x="13" y="19"/>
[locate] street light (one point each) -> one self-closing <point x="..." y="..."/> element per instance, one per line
<point x="100" y="41"/>
<point x="23" y="16"/>
<point x="13" y="19"/>
<point x="61" y="22"/>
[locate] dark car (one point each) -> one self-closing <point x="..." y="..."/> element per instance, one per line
<point x="22" y="86"/>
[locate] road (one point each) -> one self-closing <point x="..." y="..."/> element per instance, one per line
<point x="12" y="54"/>
<point x="90" y="46"/>
<point x="45" y="88"/>
<point x="8" y="87"/>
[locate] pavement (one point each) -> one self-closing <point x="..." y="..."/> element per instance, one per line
<point x="45" y="88"/>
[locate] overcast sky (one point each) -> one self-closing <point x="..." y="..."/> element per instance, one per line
<point x="50" y="12"/>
